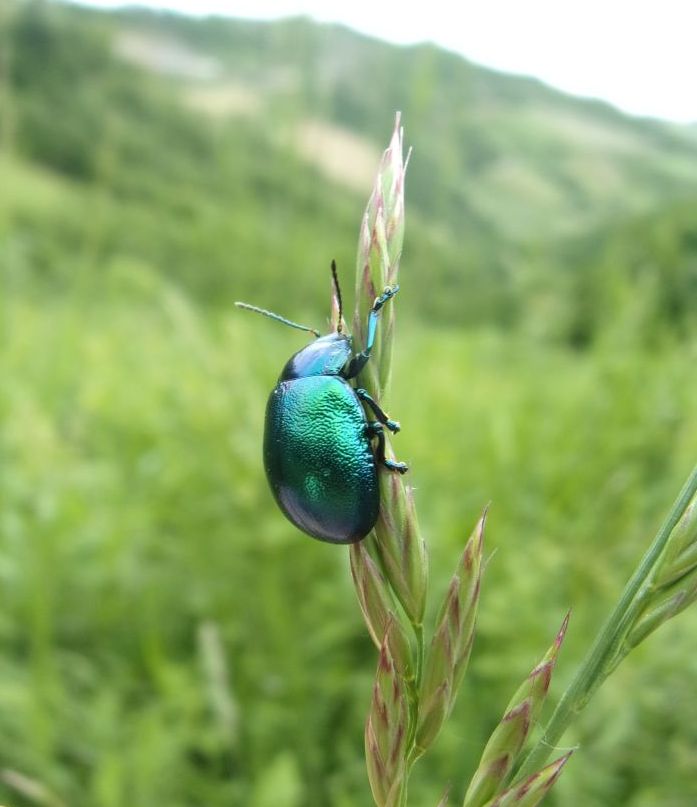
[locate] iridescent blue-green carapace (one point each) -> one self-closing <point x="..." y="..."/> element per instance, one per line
<point x="318" y="451"/>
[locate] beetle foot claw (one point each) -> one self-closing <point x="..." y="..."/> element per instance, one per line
<point x="400" y="467"/>
<point x="387" y="294"/>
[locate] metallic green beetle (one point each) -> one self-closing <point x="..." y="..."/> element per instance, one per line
<point x="318" y="454"/>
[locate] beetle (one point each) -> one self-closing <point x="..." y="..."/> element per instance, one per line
<point x="319" y="457"/>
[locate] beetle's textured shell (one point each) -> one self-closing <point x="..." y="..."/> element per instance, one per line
<point x="319" y="460"/>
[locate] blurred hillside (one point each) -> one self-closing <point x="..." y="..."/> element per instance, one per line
<point x="272" y="132"/>
<point x="166" y="637"/>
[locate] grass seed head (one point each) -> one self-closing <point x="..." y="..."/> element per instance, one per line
<point x="506" y="742"/>
<point x="386" y="729"/>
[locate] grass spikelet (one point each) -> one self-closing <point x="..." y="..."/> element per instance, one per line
<point x="400" y="546"/>
<point x="508" y="738"/>
<point x="379" y="610"/>
<point x="531" y="792"/>
<point x="380" y="244"/>
<point x="445" y="798"/>
<point x="386" y="730"/>
<point x="453" y="637"/>
<point x="675" y="583"/>
<point x="680" y="556"/>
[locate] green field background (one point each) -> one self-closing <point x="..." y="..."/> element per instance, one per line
<point x="166" y="637"/>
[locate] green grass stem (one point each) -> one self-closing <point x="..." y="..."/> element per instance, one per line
<point x="596" y="666"/>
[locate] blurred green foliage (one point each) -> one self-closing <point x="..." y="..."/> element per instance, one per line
<point x="167" y="638"/>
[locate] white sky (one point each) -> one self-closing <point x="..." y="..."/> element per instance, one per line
<point x="641" y="55"/>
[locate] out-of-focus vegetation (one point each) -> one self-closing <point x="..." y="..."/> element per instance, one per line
<point x="167" y="638"/>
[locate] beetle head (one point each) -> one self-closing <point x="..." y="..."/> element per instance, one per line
<point x="325" y="356"/>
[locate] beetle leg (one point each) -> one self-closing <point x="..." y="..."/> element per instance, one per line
<point x="375" y="430"/>
<point x="379" y="413"/>
<point x="358" y="362"/>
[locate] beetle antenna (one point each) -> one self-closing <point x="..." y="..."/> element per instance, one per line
<point x="277" y="317"/>
<point x="337" y="289"/>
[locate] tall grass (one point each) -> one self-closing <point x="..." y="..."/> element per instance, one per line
<point x="135" y="511"/>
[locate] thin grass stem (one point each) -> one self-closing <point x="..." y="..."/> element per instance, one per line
<point x="596" y="665"/>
